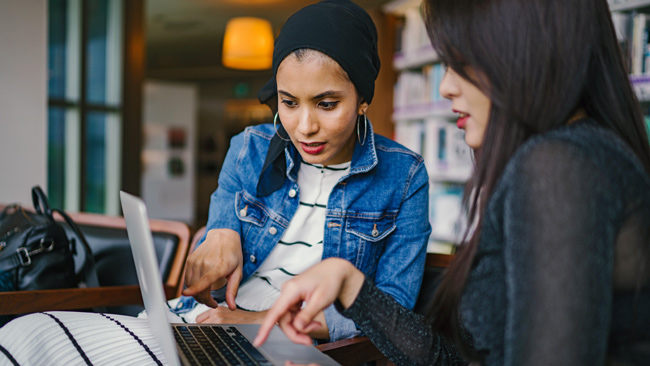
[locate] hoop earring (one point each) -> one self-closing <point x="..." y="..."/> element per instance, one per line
<point x="275" y="120"/>
<point x="365" y="130"/>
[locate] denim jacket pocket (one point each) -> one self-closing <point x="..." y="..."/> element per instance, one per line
<point x="366" y="236"/>
<point x="371" y="227"/>
<point x="250" y="210"/>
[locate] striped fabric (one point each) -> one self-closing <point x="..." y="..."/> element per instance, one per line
<point x="301" y="246"/>
<point x="77" y="338"/>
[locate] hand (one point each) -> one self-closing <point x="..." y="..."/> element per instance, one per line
<point x="318" y="287"/>
<point x="216" y="262"/>
<point x="221" y="315"/>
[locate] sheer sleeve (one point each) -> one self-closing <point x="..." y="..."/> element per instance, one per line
<point x="403" y="336"/>
<point x="560" y="222"/>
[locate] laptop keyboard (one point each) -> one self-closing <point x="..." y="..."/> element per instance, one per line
<point x="217" y="345"/>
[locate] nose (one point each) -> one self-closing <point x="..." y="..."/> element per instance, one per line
<point x="307" y="123"/>
<point x="448" y="86"/>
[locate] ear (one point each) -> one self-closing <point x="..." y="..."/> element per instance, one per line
<point x="363" y="107"/>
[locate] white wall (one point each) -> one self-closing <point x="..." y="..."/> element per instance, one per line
<point x="23" y="98"/>
<point x="169" y="105"/>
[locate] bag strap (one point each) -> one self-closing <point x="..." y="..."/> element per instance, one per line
<point x="89" y="269"/>
<point x="90" y="273"/>
<point x="40" y="199"/>
<point x="21" y="258"/>
<point x="42" y="206"/>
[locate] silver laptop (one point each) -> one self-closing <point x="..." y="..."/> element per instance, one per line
<point x="201" y="344"/>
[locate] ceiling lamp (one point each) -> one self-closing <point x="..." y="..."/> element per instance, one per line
<point x="248" y="44"/>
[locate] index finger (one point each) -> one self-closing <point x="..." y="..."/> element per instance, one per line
<point x="205" y="297"/>
<point x="203" y="283"/>
<point x="281" y="307"/>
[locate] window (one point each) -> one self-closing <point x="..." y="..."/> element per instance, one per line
<point x="85" y="104"/>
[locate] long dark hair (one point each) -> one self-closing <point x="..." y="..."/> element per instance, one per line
<point x="539" y="61"/>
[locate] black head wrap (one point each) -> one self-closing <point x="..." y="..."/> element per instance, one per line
<point x="343" y="31"/>
<point x="338" y="28"/>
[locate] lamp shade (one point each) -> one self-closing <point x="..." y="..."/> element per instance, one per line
<point x="248" y="44"/>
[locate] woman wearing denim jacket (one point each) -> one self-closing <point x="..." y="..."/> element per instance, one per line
<point x="376" y="215"/>
<point x="319" y="176"/>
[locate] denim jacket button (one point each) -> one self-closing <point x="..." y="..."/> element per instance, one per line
<point x="292" y="193"/>
<point x="375" y="233"/>
<point x="252" y="259"/>
<point x="273" y="230"/>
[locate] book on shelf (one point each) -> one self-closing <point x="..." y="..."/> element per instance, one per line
<point x="633" y="34"/>
<point x="411" y="134"/>
<point x="415" y="35"/>
<point x="411" y="35"/>
<point x="445" y="209"/>
<point x="640" y="44"/>
<point x="419" y="87"/>
<point x="446" y="155"/>
<point x="399" y="36"/>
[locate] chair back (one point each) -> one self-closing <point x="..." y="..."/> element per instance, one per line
<point x="435" y="265"/>
<point x="109" y="242"/>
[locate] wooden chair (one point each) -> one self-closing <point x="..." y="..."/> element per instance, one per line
<point x="359" y="350"/>
<point x="195" y="240"/>
<point x="118" y="290"/>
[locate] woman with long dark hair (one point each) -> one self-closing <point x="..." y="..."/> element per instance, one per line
<point x="554" y="268"/>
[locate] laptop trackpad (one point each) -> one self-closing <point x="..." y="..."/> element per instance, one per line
<point x="280" y="348"/>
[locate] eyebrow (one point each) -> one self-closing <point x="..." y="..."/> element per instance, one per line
<point x="319" y="96"/>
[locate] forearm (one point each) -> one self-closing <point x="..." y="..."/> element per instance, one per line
<point x="351" y="280"/>
<point x="405" y="337"/>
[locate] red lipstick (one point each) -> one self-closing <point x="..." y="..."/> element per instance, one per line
<point x="462" y="119"/>
<point x="313" y="148"/>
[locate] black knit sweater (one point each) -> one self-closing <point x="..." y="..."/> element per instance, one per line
<point x="562" y="273"/>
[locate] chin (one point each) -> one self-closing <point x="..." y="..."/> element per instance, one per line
<point x="471" y="141"/>
<point x="311" y="159"/>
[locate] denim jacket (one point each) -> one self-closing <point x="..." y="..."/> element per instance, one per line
<point x="377" y="215"/>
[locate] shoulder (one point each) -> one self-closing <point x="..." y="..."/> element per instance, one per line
<point x="253" y="138"/>
<point x="248" y="149"/>
<point x="584" y="153"/>
<point x="387" y="147"/>
<point x="258" y="133"/>
<point x="397" y="163"/>
<point x="575" y="145"/>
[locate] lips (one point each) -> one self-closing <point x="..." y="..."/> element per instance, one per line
<point x="462" y="119"/>
<point x="312" y="148"/>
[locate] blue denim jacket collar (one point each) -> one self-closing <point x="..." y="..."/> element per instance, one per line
<point x="364" y="157"/>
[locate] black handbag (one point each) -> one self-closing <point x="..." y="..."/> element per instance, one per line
<point x="36" y="253"/>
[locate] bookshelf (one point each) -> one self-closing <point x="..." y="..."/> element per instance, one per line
<point x="631" y="19"/>
<point x="425" y="123"/>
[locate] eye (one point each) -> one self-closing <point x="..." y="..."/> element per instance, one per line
<point x="289" y="103"/>
<point x="327" y="105"/>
